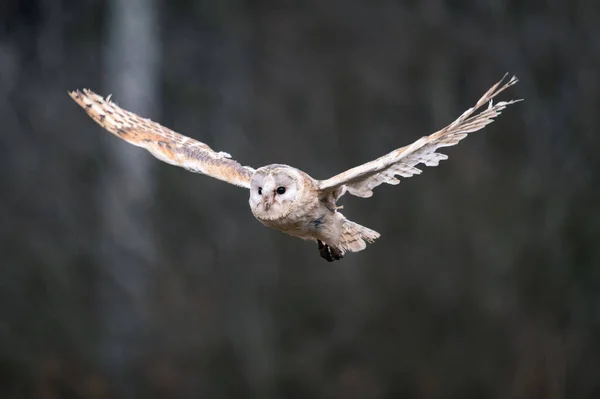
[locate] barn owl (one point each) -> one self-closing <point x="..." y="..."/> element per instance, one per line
<point x="284" y="197"/>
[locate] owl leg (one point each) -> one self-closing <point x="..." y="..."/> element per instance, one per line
<point x="329" y="253"/>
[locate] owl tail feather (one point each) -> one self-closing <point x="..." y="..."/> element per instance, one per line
<point x="355" y="237"/>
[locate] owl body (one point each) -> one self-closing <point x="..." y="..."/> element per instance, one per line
<point x="307" y="224"/>
<point x="289" y="200"/>
<point x="283" y="197"/>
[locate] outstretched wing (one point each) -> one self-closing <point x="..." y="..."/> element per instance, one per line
<point x="163" y="143"/>
<point x="361" y="180"/>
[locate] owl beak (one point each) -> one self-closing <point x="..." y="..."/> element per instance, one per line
<point x="268" y="202"/>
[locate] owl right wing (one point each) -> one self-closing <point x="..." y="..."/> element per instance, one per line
<point x="165" y="144"/>
<point x="361" y="180"/>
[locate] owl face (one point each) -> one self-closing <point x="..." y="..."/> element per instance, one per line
<point x="273" y="192"/>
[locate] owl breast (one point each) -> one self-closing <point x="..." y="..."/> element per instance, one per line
<point x="303" y="221"/>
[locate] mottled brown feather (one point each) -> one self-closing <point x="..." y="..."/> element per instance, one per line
<point x="165" y="144"/>
<point x="361" y="180"/>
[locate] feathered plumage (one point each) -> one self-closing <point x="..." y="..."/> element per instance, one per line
<point x="165" y="144"/>
<point x="361" y="180"/>
<point x="283" y="197"/>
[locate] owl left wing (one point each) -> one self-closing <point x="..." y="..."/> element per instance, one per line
<point x="361" y="180"/>
<point x="165" y="144"/>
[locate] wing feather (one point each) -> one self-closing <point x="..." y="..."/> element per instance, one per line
<point x="361" y="180"/>
<point x="165" y="144"/>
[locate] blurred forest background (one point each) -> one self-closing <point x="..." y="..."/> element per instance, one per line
<point x="121" y="276"/>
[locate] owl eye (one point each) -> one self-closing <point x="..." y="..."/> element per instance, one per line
<point x="260" y="191"/>
<point x="280" y="190"/>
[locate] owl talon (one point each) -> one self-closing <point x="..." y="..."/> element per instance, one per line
<point x="324" y="251"/>
<point x="336" y="253"/>
<point x="328" y="253"/>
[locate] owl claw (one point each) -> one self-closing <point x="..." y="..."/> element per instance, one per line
<point x="328" y="253"/>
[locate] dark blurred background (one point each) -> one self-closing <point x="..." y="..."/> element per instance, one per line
<point x="125" y="277"/>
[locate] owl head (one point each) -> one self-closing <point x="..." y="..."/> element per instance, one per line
<point x="275" y="191"/>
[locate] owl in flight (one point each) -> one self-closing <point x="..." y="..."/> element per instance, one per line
<point x="282" y="196"/>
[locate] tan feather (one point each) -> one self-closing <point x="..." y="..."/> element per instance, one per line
<point x="361" y="180"/>
<point x="354" y="237"/>
<point x="165" y="144"/>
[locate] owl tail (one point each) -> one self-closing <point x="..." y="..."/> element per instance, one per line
<point x="355" y="237"/>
